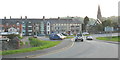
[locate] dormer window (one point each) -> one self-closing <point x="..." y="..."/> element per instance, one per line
<point x="23" y="22"/>
<point x="18" y="23"/>
<point x="29" y="21"/>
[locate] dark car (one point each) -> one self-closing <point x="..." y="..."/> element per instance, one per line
<point x="54" y="37"/>
<point x="79" y="38"/>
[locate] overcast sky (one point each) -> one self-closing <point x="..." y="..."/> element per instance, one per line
<point x="55" y="8"/>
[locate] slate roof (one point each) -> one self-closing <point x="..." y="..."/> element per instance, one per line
<point x="51" y="20"/>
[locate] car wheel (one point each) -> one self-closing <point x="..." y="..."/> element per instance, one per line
<point x="82" y="40"/>
<point x="61" y="39"/>
<point x="75" y="40"/>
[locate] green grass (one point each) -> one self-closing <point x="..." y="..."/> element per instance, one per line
<point x="68" y="37"/>
<point x="40" y="46"/>
<point x="86" y="35"/>
<point x="114" y="38"/>
<point x="71" y="35"/>
<point x="34" y="42"/>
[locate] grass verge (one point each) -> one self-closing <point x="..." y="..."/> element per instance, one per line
<point x="113" y="38"/>
<point x="86" y="35"/>
<point x="68" y="37"/>
<point x="40" y="45"/>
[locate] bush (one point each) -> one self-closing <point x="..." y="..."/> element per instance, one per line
<point x="26" y="43"/>
<point x="11" y="36"/>
<point x="21" y="43"/>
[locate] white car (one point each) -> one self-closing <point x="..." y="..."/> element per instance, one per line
<point x="89" y="38"/>
<point x="61" y="36"/>
<point x="35" y="36"/>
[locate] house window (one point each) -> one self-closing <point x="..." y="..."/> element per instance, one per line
<point x="29" y="21"/>
<point x="23" y="28"/>
<point x="23" y="22"/>
<point x="48" y="28"/>
<point x="77" y="26"/>
<point x="48" y="32"/>
<point x="48" y="24"/>
<point x="30" y="34"/>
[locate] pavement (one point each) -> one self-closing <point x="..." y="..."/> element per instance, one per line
<point x="64" y="44"/>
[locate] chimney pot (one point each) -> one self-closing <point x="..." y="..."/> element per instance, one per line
<point x="43" y="17"/>
<point x="25" y="17"/>
<point x="5" y="17"/>
<point x="58" y="18"/>
<point x="21" y="17"/>
<point x="10" y="17"/>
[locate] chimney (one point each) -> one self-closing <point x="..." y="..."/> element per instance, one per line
<point x="43" y="17"/>
<point x="25" y="17"/>
<point x="10" y="17"/>
<point x="21" y="17"/>
<point x="58" y="18"/>
<point x="5" y="17"/>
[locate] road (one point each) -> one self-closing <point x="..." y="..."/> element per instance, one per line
<point x="70" y="49"/>
<point x="87" y="49"/>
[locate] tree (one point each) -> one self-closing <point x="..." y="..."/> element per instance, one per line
<point x="107" y="22"/>
<point x="86" y="20"/>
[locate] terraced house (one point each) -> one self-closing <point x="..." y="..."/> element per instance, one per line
<point x="41" y="26"/>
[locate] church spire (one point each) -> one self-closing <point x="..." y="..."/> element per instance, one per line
<point x="99" y="16"/>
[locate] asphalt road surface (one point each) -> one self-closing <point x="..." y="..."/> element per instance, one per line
<point x="87" y="49"/>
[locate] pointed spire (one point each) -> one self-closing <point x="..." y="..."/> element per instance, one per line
<point x="99" y="16"/>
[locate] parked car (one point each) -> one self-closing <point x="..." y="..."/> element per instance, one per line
<point x="79" y="37"/>
<point x="35" y="36"/>
<point x="61" y="36"/>
<point x="89" y="38"/>
<point x="54" y="37"/>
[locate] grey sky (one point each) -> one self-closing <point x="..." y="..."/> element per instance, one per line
<point x="55" y="8"/>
